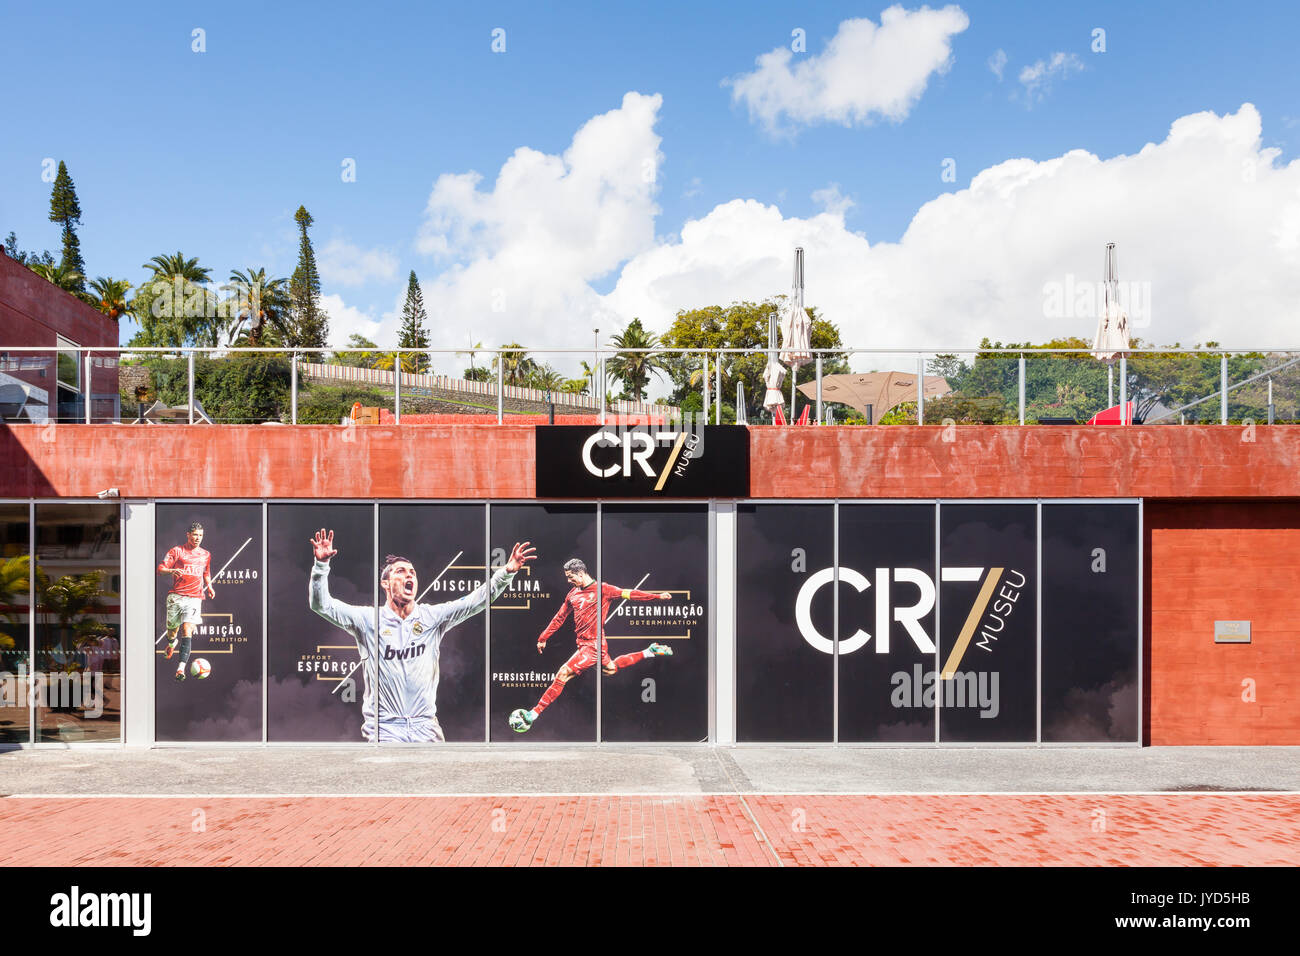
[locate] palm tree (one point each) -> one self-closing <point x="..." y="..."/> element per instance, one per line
<point x="170" y="291"/>
<point x="177" y="266"/>
<point x="635" y="366"/>
<point x="472" y="371"/>
<point x="109" y="296"/>
<point x="547" y="379"/>
<point x="263" y="302"/>
<point x="64" y="277"/>
<point x="516" y="363"/>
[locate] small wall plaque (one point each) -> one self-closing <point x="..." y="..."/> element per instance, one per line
<point x="1232" y="632"/>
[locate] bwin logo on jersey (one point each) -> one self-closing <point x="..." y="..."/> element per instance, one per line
<point x="392" y="654"/>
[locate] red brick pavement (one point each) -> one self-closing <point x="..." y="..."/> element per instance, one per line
<point x="726" y="830"/>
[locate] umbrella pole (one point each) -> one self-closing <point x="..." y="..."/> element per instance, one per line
<point x="1110" y="386"/>
<point x="794" y="372"/>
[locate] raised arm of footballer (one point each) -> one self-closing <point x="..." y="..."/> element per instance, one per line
<point x="400" y="699"/>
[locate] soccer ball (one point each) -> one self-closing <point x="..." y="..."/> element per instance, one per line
<point x="200" y="668"/>
<point x="518" y="722"/>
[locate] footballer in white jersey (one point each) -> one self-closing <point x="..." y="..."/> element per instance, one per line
<point x="401" y="693"/>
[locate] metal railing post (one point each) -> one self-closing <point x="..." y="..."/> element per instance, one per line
<point x="397" y="388"/>
<point x="190" y="376"/>
<point x="920" y="390"/>
<point x="1022" y="389"/>
<point x="717" y="389"/>
<point x="1123" y="391"/>
<point x="293" y="387"/>
<point x="1223" y="388"/>
<point x="603" y="380"/>
<point x="501" y="388"/>
<point x="705" y="379"/>
<point x="819" y="388"/>
<point x="86" y="388"/>
<point x="1270" y="401"/>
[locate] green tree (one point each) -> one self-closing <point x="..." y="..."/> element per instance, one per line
<point x="413" y="334"/>
<point x="61" y="276"/>
<point x="741" y="325"/>
<point x="361" y="353"/>
<point x="516" y="363"/>
<point x="175" y="306"/>
<point x="311" y="324"/>
<point x="109" y="296"/>
<point x="66" y="211"/>
<point x="636" y="360"/>
<point x="263" y="308"/>
<point x="28" y="259"/>
<point x="474" y="373"/>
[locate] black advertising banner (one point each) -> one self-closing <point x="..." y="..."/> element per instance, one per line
<point x="887" y="605"/>
<point x="315" y="686"/>
<point x="642" y="461"/>
<point x="443" y="544"/>
<point x="784" y="616"/>
<point x="987" y="686"/>
<point x="212" y="689"/>
<point x="1090" y="623"/>
<point x="660" y="691"/>
<point x="522" y="679"/>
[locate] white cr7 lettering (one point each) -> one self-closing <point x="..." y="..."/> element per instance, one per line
<point x="637" y="447"/>
<point x="909" y="617"/>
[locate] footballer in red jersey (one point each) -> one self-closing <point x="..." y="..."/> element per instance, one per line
<point x="191" y="569"/>
<point x="589" y="615"/>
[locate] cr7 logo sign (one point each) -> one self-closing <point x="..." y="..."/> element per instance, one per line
<point x="909" y="616"/>
<point x="638" y="447"/>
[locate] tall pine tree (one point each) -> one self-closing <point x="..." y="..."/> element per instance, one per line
<point x="311" y="326"/>
<point x="413" y="334"/>
<point x="65" y="210"/>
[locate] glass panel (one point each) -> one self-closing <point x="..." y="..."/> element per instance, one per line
<point x="78" y="622"/>
<point x="541" y="598"/>
<point x="69" y="364"/>
<point x="1174" y="387"/>
<point x="241" y="388"/>
<point x="1067" y="387"/>
<point x="987" y="687"/>
<point x="27" y="386"/>
<point x="649" y="551"/>
<point x="887" y="597"/>
<point x="1090" y="624"/>
<point x="1249" y="377"/>
<point x="343" y="386"/>
<point x="784" y="669"/>
<point x="218" y="639"/>
<point x="432" y="632"/>
<point x="15" y="617"/>
<point x="317" y="689"/>
<point x="977" y="389"/>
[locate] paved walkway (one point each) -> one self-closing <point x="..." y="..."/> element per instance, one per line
<point x="716" y="830"/>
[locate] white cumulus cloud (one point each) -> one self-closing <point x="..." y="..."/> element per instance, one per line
<point x="342" y="263"/>
<point x="1207" y="227"/>
<point x="998" y="63"/>
<point x="1038" y="78"/>
<point x="865" y="73"/>
<point x="1207" y="224"/>
<point x="520" y="256"/>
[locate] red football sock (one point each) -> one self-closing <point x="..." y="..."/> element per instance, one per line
<point x="627" y="660"/>
<point x="552" y="692"/>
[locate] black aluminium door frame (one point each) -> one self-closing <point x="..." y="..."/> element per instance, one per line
<point x="1038" y="503"/>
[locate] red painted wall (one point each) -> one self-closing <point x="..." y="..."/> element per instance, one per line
<point x="1222" y="518"/>
<point x="476" y="461"/>
<point x="33" y="312"/>
<point x="1222" y="561"/>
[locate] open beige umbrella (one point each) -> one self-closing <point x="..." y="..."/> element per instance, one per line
<point x="881" y="391"/>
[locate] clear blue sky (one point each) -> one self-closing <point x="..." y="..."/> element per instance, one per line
<point x="211" y="153"/>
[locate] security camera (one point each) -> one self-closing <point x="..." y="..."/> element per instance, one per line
<point x="108" y="493"/>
